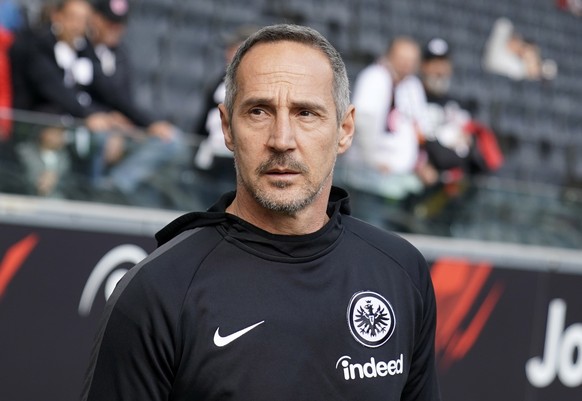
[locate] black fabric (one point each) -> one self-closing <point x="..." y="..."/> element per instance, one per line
<point x="214" y="273"/>
<point x="120" y="95"/>
<point x="441" y="157"/>
<point x="38" y="81"/>
<point x="208" y="104"/>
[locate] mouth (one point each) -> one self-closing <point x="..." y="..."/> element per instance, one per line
<point x="282" y="175"/>
<point x="281" y="171"/>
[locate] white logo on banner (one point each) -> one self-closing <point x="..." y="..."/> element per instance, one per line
<point x="105" y="270"/>
<point x="562" y="356"/>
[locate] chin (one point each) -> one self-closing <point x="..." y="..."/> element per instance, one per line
<point x="283" y="198"/>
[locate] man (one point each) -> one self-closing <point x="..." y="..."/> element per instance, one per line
<point x="213" y="159"/>
<point x="163" y="143"/>
<point x="453" y="138"/>
<point x="51" y="67"/>
<point x="390" y="103"/>
<point x="249" y="300"/>
<point x="107" y="28"/>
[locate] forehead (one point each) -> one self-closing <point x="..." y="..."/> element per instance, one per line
<point x="284" y="62"/>
<point x="75" y="6"/>
<point x="405" y="48"/>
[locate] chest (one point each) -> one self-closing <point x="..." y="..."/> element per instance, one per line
<point x="333" y="328"/>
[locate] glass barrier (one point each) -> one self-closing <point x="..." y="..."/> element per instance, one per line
<point x="59" y="157"/>
<point x="56" y="157"/>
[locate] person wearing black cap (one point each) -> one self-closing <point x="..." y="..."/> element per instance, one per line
<point x="451" y="133"/>
<point x="106" y="29"/>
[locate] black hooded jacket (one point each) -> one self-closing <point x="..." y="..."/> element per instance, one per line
<point x="223" y="310"/>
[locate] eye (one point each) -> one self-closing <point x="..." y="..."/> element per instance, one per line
<point x="306" y="113"/>
<point x="257" y="112"/>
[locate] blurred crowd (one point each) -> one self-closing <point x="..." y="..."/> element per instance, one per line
<point x="413" y="137"/>
<point x="71" y="64"/>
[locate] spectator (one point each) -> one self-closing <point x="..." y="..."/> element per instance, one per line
<point x="6" y="39"/>
<point x="213" y="157"/>
<point x="11" y="17"/>
<point x="453" y="140"/>
<point x="58" y="69"/>
<point x="52" y="67"/>
<point x="572" y="6"/>
<point x="46" y="162"/>
<point x="106" y="29"/>
<point x="390" y="102"/>
<point x="508" y="54"/>
<point x="10" y="21"/>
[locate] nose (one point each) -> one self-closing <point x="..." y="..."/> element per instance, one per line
<point x="282" y="137"/>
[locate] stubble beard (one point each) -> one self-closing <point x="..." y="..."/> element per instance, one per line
<point x="278" y="202"/>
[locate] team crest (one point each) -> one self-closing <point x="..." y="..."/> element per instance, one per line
<point x="371" y="318"/>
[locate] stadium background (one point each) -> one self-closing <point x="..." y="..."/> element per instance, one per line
<point x="502" y="293"/>
<point x="177" y="48"/>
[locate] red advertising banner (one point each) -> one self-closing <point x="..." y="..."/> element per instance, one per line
<point x="504" y="334"/>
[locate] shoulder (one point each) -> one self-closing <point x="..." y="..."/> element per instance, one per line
<point x="373" y="72"/>
<point x="379" y="238"/>
<point x="411" y="83"/>
<point x="163" y="278"/>
<point x="394" y="248"/>
<point x="372" y="89"/>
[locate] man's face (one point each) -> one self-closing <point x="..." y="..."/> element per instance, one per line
<point x="436" y="75"/>
<point x="284" y="132"/>
<point x="405" y="59"/>
<point x="72" y="20"/>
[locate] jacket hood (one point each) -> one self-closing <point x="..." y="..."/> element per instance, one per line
<point x="216" y="214"/>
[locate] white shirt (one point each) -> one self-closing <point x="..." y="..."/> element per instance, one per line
<point x="387" y="140"/>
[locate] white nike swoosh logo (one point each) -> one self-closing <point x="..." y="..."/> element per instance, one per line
<point x="220" y="341"/>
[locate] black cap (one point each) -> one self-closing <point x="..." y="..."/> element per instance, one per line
<point x="113" y="10"/>
<point x="436" y="48"/>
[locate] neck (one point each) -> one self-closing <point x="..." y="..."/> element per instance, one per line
<point x="306" y="221"/>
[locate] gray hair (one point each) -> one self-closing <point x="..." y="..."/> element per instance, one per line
<point x="299" y="34"/>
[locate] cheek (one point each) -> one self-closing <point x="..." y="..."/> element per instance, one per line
<point x="247" y="153"/>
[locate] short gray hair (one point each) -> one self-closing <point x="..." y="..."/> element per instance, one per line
<point x="299" y="34"/>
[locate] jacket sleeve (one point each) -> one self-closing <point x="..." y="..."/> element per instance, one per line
<point x="116" y="91"/>
<point x="134" y="352"/>
<point x="47" y="79"/>
<point x="422" y="384"/>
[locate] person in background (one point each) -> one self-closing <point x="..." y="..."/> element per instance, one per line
<point x="11" y="21"/>
<point x="508" y="54"/>
<point x="276" y="292"/>
<point x="455" y="142"/>
<point x="391" y="103"/>
<point x="136" y="160"/>
<point x="107" y="26"/>
<point x="52" y="67"/>
<point x="213" y="159"/>
<point x="46" y="162"/>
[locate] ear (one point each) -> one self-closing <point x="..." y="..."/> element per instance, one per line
<point x="225" y="121"/>
<point x="347" y="129"/>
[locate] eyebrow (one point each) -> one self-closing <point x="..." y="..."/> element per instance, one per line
<point x="303" y="104"/>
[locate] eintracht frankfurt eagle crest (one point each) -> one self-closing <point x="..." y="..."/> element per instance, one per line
<point x="371" y="318"/>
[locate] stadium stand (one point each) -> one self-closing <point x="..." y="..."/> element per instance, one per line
<point x="176" y="47"/>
